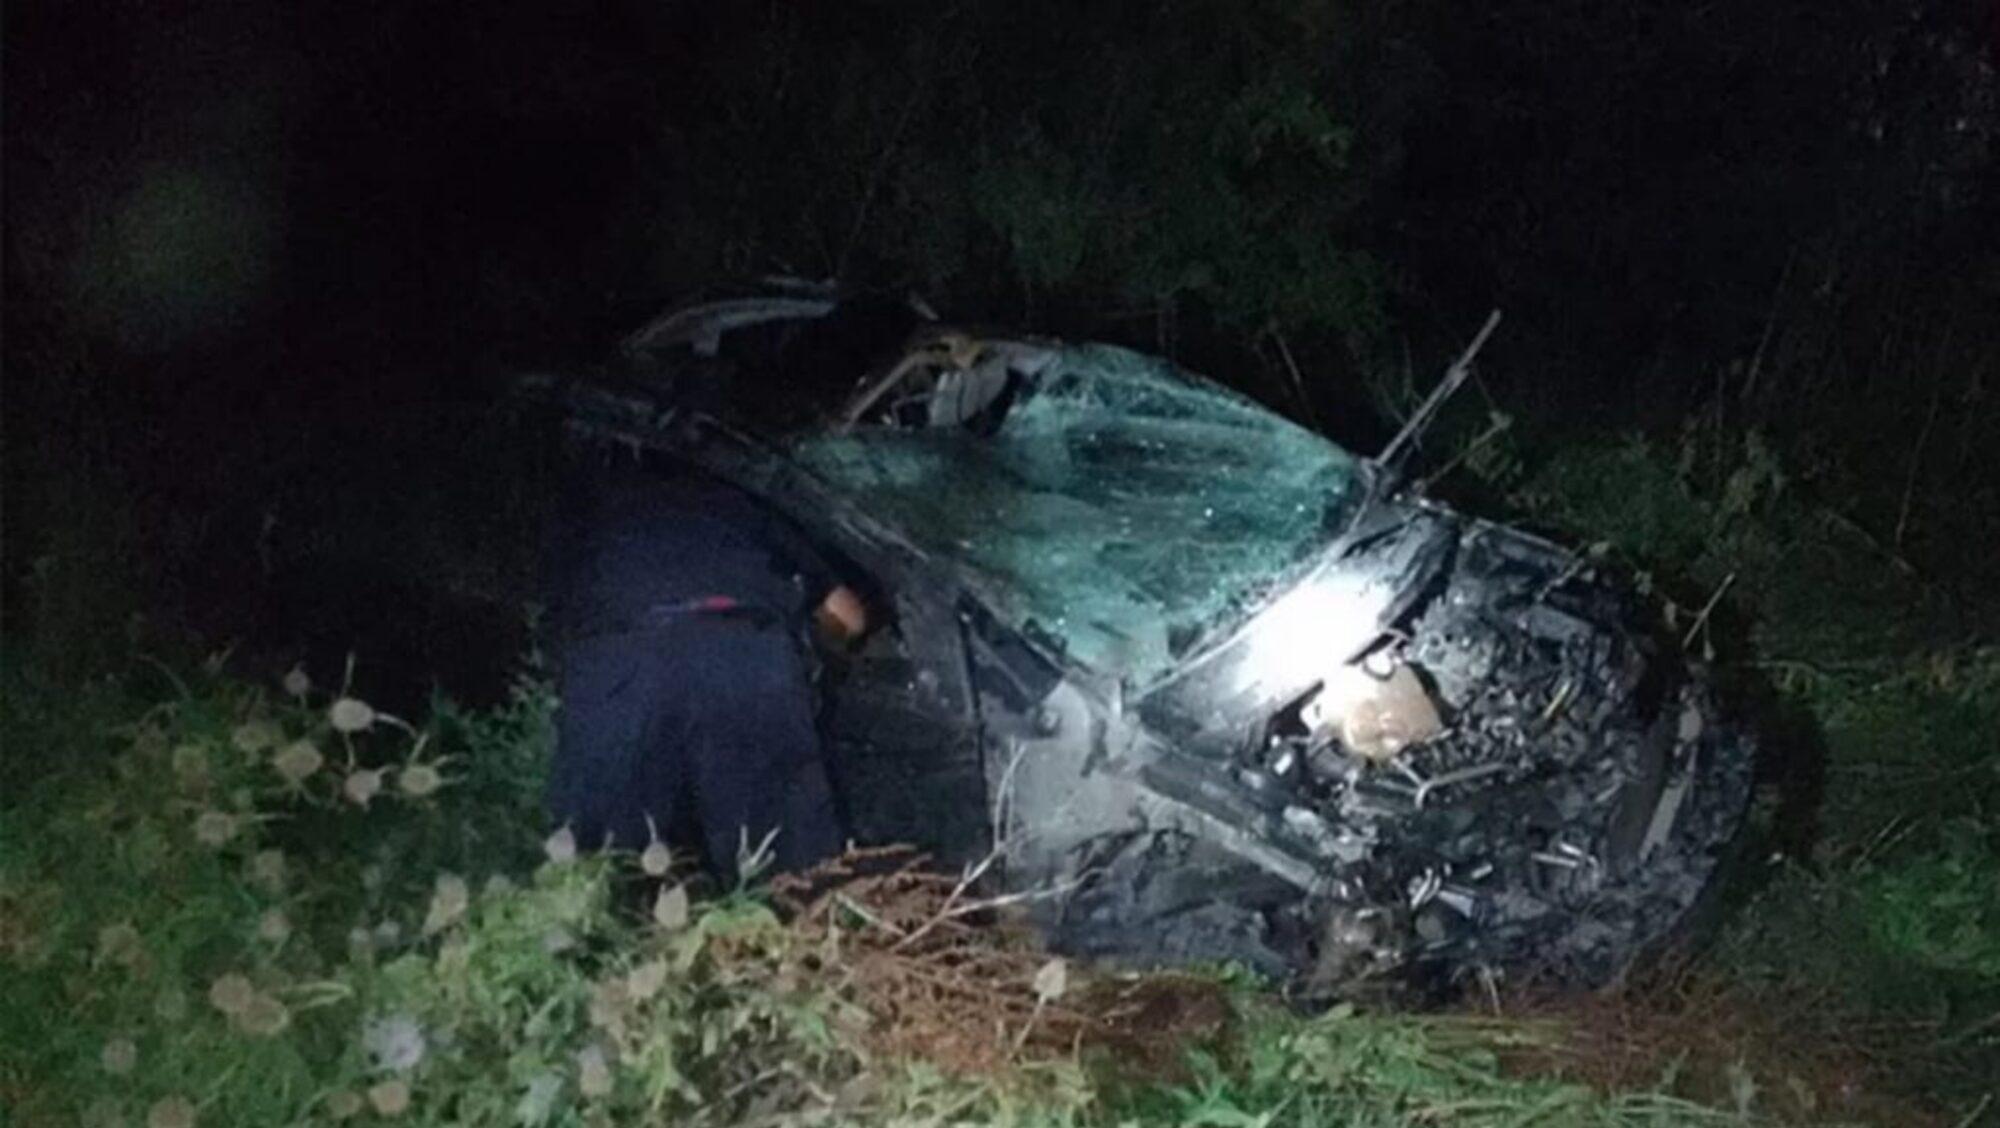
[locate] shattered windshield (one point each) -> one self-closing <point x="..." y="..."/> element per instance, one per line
<point x="1121" y="508"/>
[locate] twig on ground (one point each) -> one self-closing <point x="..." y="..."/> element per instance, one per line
<point x="1495" y="427"/>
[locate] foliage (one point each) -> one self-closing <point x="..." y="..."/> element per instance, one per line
<point x="1043" y="154"/>
<point x="281" y="908"/>
<point x="1880" y="716"/>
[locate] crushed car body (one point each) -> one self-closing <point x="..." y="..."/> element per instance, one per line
<point x="1193" y="682"/>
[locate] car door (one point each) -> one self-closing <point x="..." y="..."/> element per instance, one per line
<point x="906" y="732"/>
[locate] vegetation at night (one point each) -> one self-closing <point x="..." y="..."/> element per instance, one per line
<point x="272" y="907"/>
<point x="262" y="297"/>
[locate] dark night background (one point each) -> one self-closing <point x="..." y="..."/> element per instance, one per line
<point x="268" y="268"/>
<point x="264" y="262"/>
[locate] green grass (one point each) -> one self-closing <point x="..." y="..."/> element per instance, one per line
<point x="186" y="932"/>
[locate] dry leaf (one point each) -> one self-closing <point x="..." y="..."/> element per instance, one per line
<point x="1051" y="980"/>
<point x="391" y="1097"/>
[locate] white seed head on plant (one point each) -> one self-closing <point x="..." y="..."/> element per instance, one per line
<point x="191" y="765"/>
<point x="344" y="1104"/>
<point x="608" y="1001"/>
<point x="395" y="1043"/>
<point x="656" y="859"/>
<point x="350" y="715"/>
<point x="230" y="993"/>
<point x="274" y="927"/>
<point x="560" y="846"/>
<point x="419" y="781"/>
<point x="171" y="1006"/>
<point x="498" y="885"/>
<point x="171" y="1112"/>
<point x="264" y="1016"/>
<point x="390" y="1098"/>
<point x="593" y="1072"/>
<point x="295" y="683"/>
<point x="448" y="903"/>
<point x="670" y="909"/>
<point x="104" y="1112"/>
<point x="119" y="1057"/>
<point x="297" y="761"/>
<point x="645" y="981"/>
<point x="255" y="735"/>
<point x="539" y="1102"/>
<point x="388" y="934"/>
<point x="119" y="943"/>
<point x="267" y="870"/>
<point x="454" y="958"/>
<point x="362" y="785"/>
<point x="214" y="828"/>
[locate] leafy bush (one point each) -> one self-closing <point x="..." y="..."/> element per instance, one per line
<point x="1040" y="155"/>
<point x="252" y="910"/>
<point x="1942" y="909"/>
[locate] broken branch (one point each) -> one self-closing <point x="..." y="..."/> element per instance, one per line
<point x="1454" y="377"/>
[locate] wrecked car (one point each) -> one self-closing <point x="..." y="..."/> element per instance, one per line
<point x="1190" y="682"/>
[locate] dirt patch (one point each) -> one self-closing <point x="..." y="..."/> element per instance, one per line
<point x="1783" y="1055"/>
